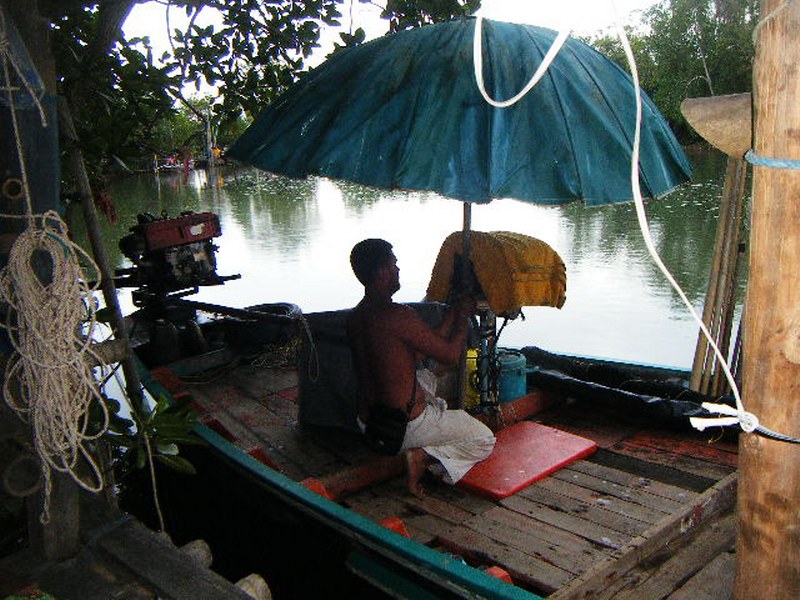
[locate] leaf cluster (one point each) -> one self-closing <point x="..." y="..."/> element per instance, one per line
<point x="690" y="48"/>
<point x="118" y="97"/>
<point x="158" y="431"/>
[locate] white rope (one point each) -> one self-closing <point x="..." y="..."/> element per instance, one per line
<point x="48" y="381"/>
<point x="477" y="61"/>
<point x="746" y="420"/>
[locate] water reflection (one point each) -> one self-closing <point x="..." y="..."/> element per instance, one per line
<point x="290" y="241"/>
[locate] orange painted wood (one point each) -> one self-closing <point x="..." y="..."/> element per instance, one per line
<point x="524" y="453"/>
<point x="360" y="476"/>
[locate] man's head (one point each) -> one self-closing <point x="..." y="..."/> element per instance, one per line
<point x="368" y="257"/>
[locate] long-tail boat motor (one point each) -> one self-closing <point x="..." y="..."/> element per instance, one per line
<point x="170" y="256"/>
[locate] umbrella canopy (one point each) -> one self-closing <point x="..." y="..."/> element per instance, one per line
<point x="404" y="111"/>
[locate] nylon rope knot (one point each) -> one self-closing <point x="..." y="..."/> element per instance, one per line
<point x="746" y="420"/>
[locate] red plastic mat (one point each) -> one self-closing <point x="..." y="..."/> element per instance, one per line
<point x="524" y="453"/>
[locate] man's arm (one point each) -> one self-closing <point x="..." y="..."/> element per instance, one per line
<point x="444" y="344"/>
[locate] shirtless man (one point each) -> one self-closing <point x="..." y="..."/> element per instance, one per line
<point x="388" y="340"/>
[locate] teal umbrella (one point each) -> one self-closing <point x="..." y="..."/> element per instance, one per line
<point x="404" y="112"/>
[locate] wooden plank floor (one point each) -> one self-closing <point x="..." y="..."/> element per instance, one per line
<point x="564" y="535"/>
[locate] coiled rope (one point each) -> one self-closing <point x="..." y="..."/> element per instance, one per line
<point x="50" y="323"/>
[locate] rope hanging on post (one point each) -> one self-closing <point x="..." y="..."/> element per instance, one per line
<point x="50" y="322"/>
<point x="48" y="381"/>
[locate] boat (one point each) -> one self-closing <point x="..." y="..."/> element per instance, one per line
<point x="644" y="509"/>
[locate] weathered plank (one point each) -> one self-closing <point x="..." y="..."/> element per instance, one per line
<point x="689" y="464"/>
<point x="299" y="451"/>
<point x="599" y="534"/>
<point x="162" y="566"/>
<point x="525" y="569"/>
<point x="256" y="381"/>
<point x="623" y="516"/>
<point x="376" y="507"/>
<point x="561" y="548"/>
<point x="604" y="486"/>
<point x="634" y="481"/>
<point x="425" y="529"/>
<point x="702" y="509"/>
<point x="712" y="582"/>
<point x="281" y="407"/>
<point x="432" y="505"/>
<point x="657" y="472"/>
<point x="722" y="441"/>
<point x="686" y="446"/>
<point x="472" y="503"/>
<point x="660" y="580"/>
<point x="595" y="426"/>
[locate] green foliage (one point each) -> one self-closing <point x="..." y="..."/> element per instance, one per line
<point x="124" y="102"/>
<point x="117" y="98"/>
<point x="407" y="14"/>
<point x="159" y="431"/>
<point x="690" y="48"/>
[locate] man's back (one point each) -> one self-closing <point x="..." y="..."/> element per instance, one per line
<point x="381" y="338"/>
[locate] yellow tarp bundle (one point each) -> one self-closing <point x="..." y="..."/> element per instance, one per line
<point x="514" y="270"/>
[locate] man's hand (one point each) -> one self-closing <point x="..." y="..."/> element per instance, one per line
<point x="465" y="306"/>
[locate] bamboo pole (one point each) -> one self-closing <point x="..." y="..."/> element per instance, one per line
<point x="701" y="355"/>
<point x="133" y="384"/>
<point x="466" y="250"/>
<point x="768" y="542"/>
<point x="721" y="294"/>
<point x="718" y="384"/>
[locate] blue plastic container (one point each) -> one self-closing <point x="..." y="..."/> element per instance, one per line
<point x="513" y="376"/>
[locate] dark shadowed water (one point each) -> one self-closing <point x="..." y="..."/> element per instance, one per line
<point x="290" y="241"/>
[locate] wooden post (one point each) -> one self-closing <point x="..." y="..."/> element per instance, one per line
<point x="60" y="537"/>
<point x="768" y="543"/>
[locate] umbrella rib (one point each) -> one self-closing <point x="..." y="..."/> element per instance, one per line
<point x="627" y="129"/>
<point x="560" y="102"/>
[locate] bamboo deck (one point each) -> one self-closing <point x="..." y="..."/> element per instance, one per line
<point x="649" y="515"/>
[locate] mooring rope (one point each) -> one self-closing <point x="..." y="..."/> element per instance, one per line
<point x="737" y="415"/>
<point x="50" y="322"/>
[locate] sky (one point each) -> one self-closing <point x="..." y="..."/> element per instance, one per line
<point x="583" y="17"/>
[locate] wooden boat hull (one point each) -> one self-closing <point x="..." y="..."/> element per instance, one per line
<point x="378" y="554"/>
<point x="574" y="534"/>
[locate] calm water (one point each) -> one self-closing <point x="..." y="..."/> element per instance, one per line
<point x="290" y="241"/>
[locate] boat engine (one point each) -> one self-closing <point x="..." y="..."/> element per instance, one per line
<point x="170" y="256"/>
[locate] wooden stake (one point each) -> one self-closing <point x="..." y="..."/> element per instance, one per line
<point x="133" y="384"/>
<point x="720" y="298"/>
<point x="768" y="543"/>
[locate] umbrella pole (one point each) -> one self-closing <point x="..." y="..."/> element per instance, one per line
<point x="486" y="328"/>
<point x="465" y="251"/>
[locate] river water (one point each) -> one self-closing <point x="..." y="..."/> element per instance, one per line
<point x="290" y="242"/>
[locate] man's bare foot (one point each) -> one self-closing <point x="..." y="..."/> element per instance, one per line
<point x="417" y="460"/>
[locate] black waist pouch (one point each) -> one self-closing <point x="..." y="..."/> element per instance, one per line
<point x="386" y="428"/>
